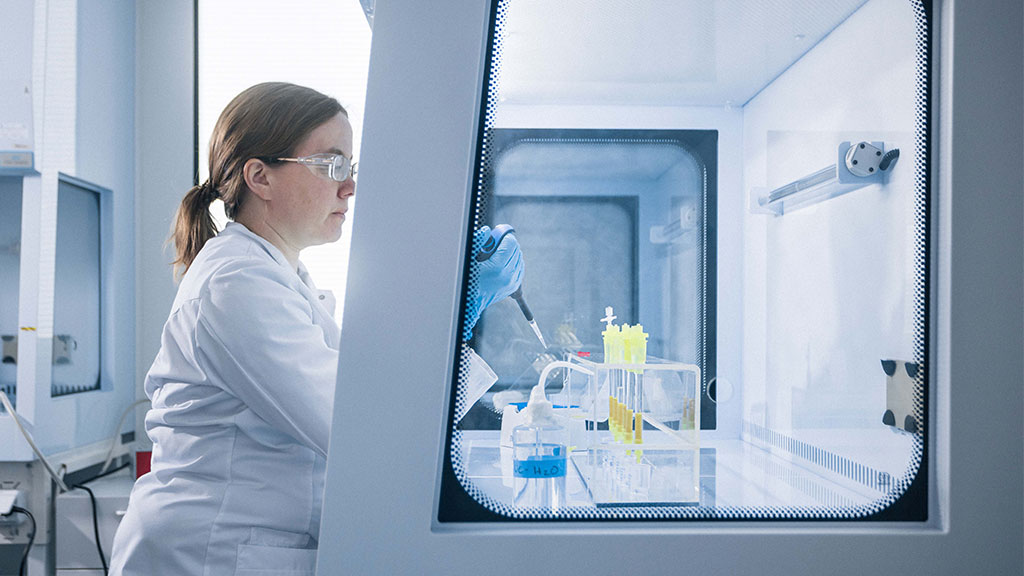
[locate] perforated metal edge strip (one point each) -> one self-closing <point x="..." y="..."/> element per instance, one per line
<point x="829" y="512"/>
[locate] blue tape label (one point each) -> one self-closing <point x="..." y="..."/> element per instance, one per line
<point x="540" y="467"/>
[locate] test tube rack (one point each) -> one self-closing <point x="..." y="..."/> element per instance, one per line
<point x="643" y="435"/>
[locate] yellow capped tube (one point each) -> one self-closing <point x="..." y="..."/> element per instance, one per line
<point x="611" y="413"/>
<point x="638" y="433"/>
<point x="626" y="344"/>
<point x="618" y="421"/>
<point x="636" y="347"/>
<point x="640" y="344"/>
<point x="611" y="337"/>
<point x="623" y="425"/>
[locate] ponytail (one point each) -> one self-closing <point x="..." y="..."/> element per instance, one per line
<point x="193" y="226"/>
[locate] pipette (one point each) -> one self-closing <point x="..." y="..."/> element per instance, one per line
<point x="518" y="297"/>
<point x="490" y="246"/>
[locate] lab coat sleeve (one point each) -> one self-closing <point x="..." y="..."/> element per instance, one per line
<point x="257" y="336"/>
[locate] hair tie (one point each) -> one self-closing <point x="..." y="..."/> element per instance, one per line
<point x="209" y="192"/>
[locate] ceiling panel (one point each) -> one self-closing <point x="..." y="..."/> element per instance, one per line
<point x="656" y="52"/>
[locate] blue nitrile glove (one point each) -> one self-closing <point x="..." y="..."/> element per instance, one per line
<point x="497" y="277"/>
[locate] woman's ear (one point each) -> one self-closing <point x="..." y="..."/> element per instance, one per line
<point x="255" y="172"/>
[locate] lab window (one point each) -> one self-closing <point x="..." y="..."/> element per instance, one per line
<point x="78" y="286"/>
<point x="724" y="232"/>
<point x="10" y="256"/>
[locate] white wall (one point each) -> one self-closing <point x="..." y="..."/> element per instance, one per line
<point x="828" y="289"/>
<point x="164" y="166"/>
<point x="105" y="145"/>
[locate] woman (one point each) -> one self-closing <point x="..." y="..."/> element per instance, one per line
<point x="243" y="385"/>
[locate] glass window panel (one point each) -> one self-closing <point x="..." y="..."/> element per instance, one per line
<point x="759" y="211"/>
<point x="10" y="266"/>
<point x="76" y="292"/>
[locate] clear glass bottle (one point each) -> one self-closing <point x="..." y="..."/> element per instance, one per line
<point x="540" y="460"/>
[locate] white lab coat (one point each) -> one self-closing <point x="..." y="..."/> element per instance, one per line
<point x="242" y="392"/>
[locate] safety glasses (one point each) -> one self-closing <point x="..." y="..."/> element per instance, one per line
<point x="333" y="166"/>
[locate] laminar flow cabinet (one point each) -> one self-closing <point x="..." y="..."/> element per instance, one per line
<point x="776" y="201"/>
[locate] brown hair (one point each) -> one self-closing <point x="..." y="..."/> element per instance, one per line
<point x="265" y="121"/>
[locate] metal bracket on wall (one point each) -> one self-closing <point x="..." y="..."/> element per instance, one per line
<point x="10" y="348"/>
<point x="63" y="345"/>
<point x="857" y="165"/>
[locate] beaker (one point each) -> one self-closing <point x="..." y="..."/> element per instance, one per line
<point x="540" y="459"/>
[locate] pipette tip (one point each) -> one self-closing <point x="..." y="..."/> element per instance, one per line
<point x="536" y="330"/>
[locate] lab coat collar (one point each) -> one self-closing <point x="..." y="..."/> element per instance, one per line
<point x="235" y="228"/>
<point x="324" y="298"/>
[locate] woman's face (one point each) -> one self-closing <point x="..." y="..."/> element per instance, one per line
<point x="307" y="207"/>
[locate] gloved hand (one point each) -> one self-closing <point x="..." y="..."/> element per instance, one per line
<point x="497" y="277"/>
